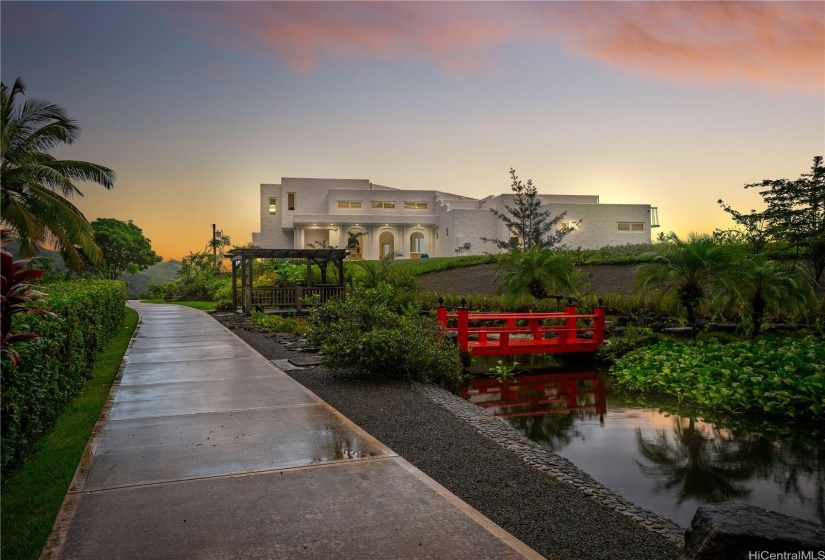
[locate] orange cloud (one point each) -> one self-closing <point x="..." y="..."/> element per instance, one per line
<point x="778" y="45"/>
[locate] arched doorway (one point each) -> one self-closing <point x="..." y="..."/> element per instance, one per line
<point x="355" y="243"/>
<point x="416" y="244"/>
<point x="386" y="244"/>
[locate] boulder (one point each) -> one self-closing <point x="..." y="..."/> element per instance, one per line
<point x="731" y="531"/>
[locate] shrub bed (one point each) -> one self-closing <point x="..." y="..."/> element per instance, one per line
<point x="54" y="366"/>
<point x="774" y="376"/>
<point x="368" y="334"/>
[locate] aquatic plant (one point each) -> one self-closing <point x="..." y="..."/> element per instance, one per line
<point x="782" y="376"/>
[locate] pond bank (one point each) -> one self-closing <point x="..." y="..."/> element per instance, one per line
<point x="553" y="517"/>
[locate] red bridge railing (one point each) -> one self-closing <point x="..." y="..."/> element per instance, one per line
<point x="492" y="334"/>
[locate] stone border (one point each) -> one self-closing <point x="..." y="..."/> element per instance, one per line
<point x="550" y="463"/>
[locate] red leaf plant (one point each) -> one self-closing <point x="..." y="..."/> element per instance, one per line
<point x="17" y="297"/>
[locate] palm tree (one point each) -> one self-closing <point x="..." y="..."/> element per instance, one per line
<point x="536" y="272"/>
<point x="35" y="186"/>
<point x="767" y="286"/>
<point x="688" y="269"/>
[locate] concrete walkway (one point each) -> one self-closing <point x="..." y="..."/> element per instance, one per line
<point x="210" y="451"/>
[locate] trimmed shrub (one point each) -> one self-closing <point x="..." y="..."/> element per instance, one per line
<point x="54" y="367"/>
<point x="366" y="333"/>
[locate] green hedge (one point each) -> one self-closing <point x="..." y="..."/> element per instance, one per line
<point x="54" y="367"/>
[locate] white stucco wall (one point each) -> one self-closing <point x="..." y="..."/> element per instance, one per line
<point x="448" y="222"/>
<point x="598" y="225"/>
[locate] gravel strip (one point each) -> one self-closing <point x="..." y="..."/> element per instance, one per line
<point x="493" y="469"/>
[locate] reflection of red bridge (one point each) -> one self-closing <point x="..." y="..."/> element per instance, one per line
<point x="533" y="395"/>
<point x="485" y="334"/>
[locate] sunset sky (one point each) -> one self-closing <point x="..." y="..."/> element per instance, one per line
<point x="194" y="104"/>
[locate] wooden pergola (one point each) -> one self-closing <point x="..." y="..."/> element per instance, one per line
<point x="284" y="297"/>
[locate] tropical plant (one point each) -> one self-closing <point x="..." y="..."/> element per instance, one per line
<point x="218" y="242"/>
<point x="767" y="286"/>
<point x="371" y="275"/>
<point x="17" y="297"/>
<point x="536" y="271"/>
<point x="123" y="248"/>
<point x="528" y="225"/>
<point x="35" y="186"/>
<point x="689" y="270"/>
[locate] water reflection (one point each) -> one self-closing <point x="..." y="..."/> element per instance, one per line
<point x="666" y="458"/>
<point x="692" y="462"/>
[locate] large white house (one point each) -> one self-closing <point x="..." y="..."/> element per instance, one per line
<point x="409" y="223"/>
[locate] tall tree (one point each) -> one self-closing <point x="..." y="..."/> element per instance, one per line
<point x="35" y="186"/>
<point x="124" y="248"/>
<point x="528" y="225"/>
<point x="688" y="269"/>
<point x="795" y="213"/>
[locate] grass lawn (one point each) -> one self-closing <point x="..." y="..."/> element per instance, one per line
<point x="202" y="305"/>
<point x="437" y="264"/>
<point x="34" y="492"/>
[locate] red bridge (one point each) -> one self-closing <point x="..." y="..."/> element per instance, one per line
<point x="496" y="334"/>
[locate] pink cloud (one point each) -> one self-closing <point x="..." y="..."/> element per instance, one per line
<point x="779" y="45"/>
<point x="774" y="45"/>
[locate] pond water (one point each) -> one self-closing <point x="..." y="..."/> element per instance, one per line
<point x="664" y="458"/>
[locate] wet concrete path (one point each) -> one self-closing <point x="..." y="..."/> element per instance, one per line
<point x="209" y="451"/>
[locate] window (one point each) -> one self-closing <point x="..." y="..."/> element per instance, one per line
<point x="273" y="206"/>
<point x="415" y="206"/>
<point x="383" y="204"/>
<point x="630" y="226"/>
<point x="349" y="204"/>
<point x="515" y="238"/>
<point x="290" y="201"/>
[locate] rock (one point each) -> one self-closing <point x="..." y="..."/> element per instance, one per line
<point x="679" y="331"/>
<point x="730" y="531"/>
<point x="724" y="327"/>
<point x="306" y="362"/>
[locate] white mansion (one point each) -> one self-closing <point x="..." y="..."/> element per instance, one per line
<point x="409" y="223"/>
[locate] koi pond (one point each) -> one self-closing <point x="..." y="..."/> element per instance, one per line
<point x="665" y="458"/>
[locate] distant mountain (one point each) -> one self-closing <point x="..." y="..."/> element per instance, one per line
<point x="136" y="285"/>
<point x="48" y="260"/>
<point x="160" y="273"/>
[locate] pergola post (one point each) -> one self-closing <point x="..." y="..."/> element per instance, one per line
<point x="246" y="282"/>
<point x="234" y="285"/>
